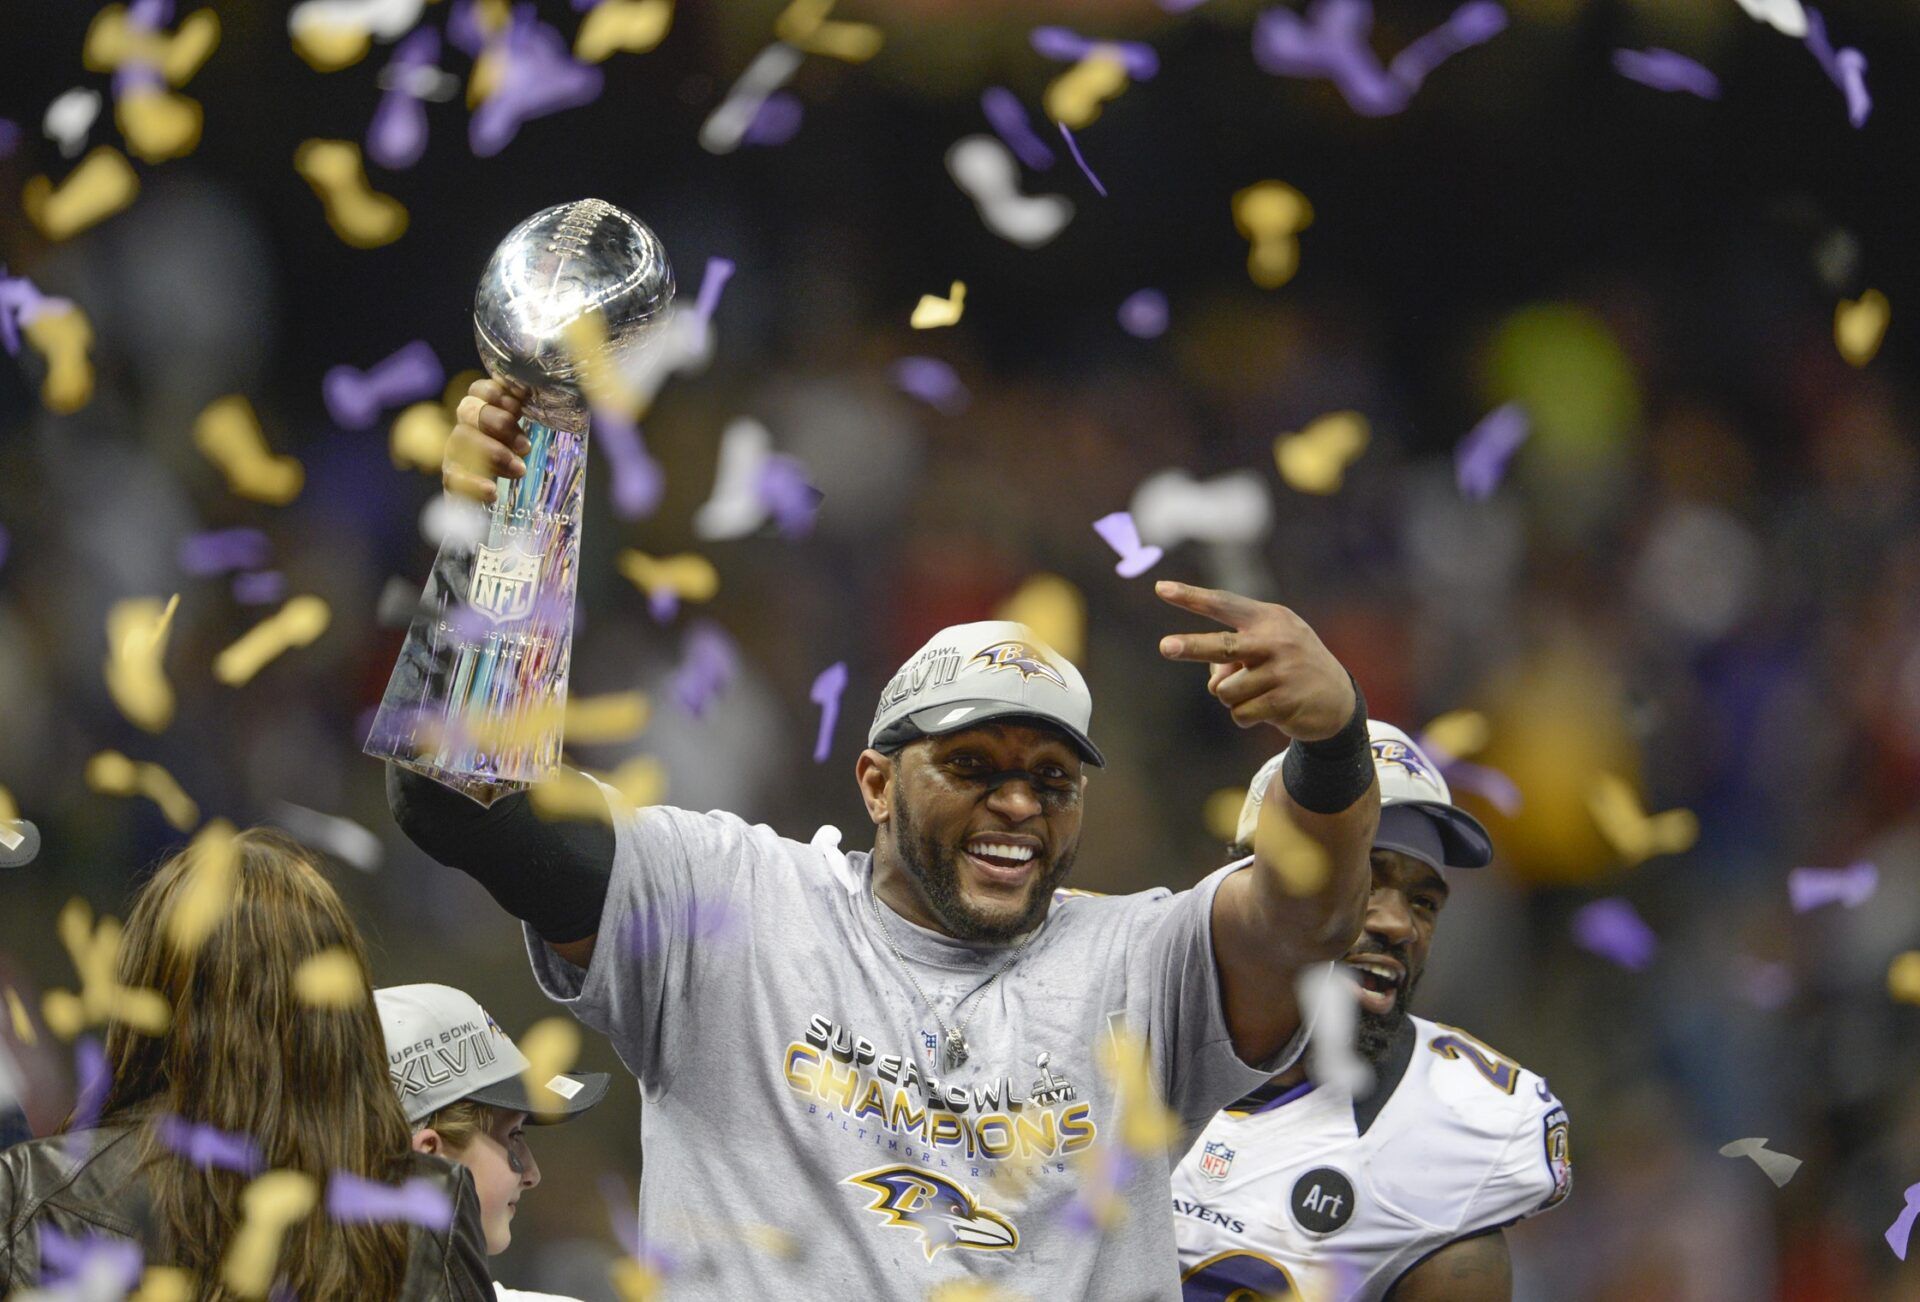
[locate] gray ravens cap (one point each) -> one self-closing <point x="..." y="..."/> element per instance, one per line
<point x="442" y="1046"/>
<point x="969" y="674"/>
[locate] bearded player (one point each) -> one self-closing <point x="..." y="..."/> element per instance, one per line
<point x="1303" y="1190"/>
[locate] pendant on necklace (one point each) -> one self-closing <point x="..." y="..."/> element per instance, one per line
<point x="956" y="1048"/>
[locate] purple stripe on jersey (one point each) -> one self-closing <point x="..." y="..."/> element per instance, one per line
<point x="1288" y="1097"/>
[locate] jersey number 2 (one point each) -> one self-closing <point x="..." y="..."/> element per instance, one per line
<point x="1238" y="1277"/>
<point x="1500" y="1073"/>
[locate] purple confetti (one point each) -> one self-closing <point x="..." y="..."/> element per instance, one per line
<point x="1902" y="1228"/>
<point x="209" y="1147"/>
<point x="776" y="121"/>
<point x="1008" y="118"/>
<point x="825" y="693"/>
<point x="1123" y="536"/>
<point x="663" y="604"/>
<point x="219" y="550"/>
<point x="464" y="31"/>
<point x="540" y="77"/>
<point x="352" y="1200"/>
<point x="397" y="136"/>
<point x="933" y="382"/>
<point x="1766" y="986"/>
<point x="704" y="922"/>
<point x="1474" y="23"/>
<point x="355" y="398"/>
<point x="1480" y="462"/>
<point x="1144" y="314"/>
<point x="638" y="481"/>
<point x="708" y="660"/>
<point x="623" y="1212"/>
<point x="1491" y="785"/>
<point x="261" y="588"/>
<point x="1665" y="70"/>
<point x="1847" y="69"/>
<point x="788" y="495"/>
<point x="9" y="137"/>
<point x="1073" y="147"/>
<point x="21" y="304"/>
<point x="132" y="76"/>
<point x="1611" y="929"/>
<point x="1854" y="885"/>
<point x="92" y="1079"/>
<point x="712" y="281"/>
<point x="104" y="1262"/>
<point x="1180" y="6"/>
<point x="1067" y="46"/>
<point x="6" y="540"/>
<point x="1331" y="41"/>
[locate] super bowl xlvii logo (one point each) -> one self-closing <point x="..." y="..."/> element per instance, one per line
<point x="504" y="579"/>
<point x="946" y="1215"/>
<point x="1018" y="656"/>
<point x="1216" y="1159"/>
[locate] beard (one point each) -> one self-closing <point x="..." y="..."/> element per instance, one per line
<point x="937" y="868"/>
<point x="1373" y="1036"/>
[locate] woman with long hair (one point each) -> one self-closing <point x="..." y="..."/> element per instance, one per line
<point x="245" y="1053"/>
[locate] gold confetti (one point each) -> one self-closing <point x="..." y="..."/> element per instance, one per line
<point x="1270" y="214"/>
<point x="585" y="340"/>
<point x="299" y="622"/>
<point x="573" y="794"/>
<point x="1903" y="977"/>
<point x="1054" y="609"/>
<point x="111" y="41"/>
<point x="113" y="774"/>
<point x="213" y="860"/>
<point x="136" y="644"/>
<point x="420" y="436"/>
<point x="803" y="25"/>
<point x="688" y="575"/>
<point x="1075" y="97"/>
<point x="1146" y="1124"/>
<point x="269" y="1206"/>
<point x="158" y="124"/>
<point x="329" y="979"/>
<point x="1221" y="814"/>
<point x="228" y="434"/>
<point x="8" y="809"/>
<point x="357" y="214"/>
<point x="1859" y="326"/>
<point x="932" y="312"/>
<point x="598" y="720"/>
<point x="1457" y="733"/>
<point x="64" y="339"/>
<point x="22" y="1021"/>
<point x="635" y="1282"/>
<point x="551" y="1046"/>
<point x="163" y="1284"/>
<point x="101" y="186"/>
<point x="1316" y="459"/>
<point x="95" y="952"/>
<point x="622" y="27"/>
<point x="1301" y="861"/>
<point x="972" y="1291"/>
<point x="1634" y="834"/>
<point x="329" y="47"/>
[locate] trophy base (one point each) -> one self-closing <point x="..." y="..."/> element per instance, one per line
<point x="481" y="791"/>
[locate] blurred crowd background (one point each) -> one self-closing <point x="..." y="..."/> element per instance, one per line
<point x="1701" y="573"/>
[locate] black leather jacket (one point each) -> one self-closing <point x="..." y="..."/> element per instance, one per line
<point x="39" y="1185"/>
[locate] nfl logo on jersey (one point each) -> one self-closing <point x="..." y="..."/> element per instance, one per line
<point x="1215" y="1161"/>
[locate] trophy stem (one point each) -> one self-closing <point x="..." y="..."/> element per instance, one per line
<point x="478" y="697"/>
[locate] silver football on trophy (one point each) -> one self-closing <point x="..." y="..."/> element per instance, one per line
<point x="553" y="268"/>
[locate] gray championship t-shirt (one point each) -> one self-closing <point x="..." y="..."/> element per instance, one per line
<point x="800" y="1129"/>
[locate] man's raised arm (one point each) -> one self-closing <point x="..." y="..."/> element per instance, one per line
<point x="1304" y="898"/>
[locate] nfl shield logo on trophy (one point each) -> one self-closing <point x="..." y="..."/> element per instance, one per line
<point x="1215" y="1161"/>
<point x="503" y="582"/>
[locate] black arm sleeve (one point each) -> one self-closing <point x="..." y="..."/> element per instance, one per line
<point x="551" y="875"/>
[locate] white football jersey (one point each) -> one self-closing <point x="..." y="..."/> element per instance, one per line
<point x="1314" y="1196"/>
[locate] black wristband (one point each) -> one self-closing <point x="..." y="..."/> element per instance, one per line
<point x="1327" y="776"/>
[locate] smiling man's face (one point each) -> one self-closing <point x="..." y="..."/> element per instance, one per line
<point x="986" y="823"/>
<point x="1391" y="953"/>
